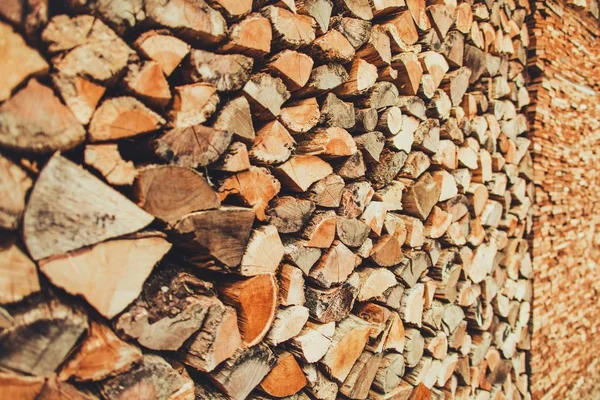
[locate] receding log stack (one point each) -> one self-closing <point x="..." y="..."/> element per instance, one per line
<point x="565" y="83"/>
<point x="273" y="199"/>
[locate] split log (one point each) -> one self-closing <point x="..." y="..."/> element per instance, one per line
<point x="290" y="30"/>
<point x="361" y="77"/>
<point x="362" y="375"/>
<point x="217" y="340"/>
<point x="251" y="36"/>
<point x="334" y="266"/>
<point x="13" y="189"/>
<point x="266" y="94"/>
<point x="291" y="286"/>
<point x="288" y="323"/>
<point x="327" y="305"/>
<point x="19" y="277"/>
<point x="170" y="192"/>
<point x="193" y="104"/>
<point x="80" y="94"/>
<point x="101" y="355"/>
<point x="414" y="347"/>
<point x="327" y="192"/>
<point x="300" y="116"/>
<point x="285" y="379"/>
<point x="41" y="336"/>
<point x="192" y="147"/>
<point x="255" y="300"/>
<point x="323" y="79"/>
<point x="347" y="345"/>
<point x="420" y="197"/>
<point x="389" y="374"/>
<point x="107" y="213"/>
<point x="228" y="72"/>
<point x="332" y="47"/>
<point x="240" y="374"/>
<point x="331" y="142"/>
<point x="299" y="172"/>
<point x="129" y="261"/>
<point x="147" y="82"/>
<point x="122" y="117"/>
<point x="154" y="377"/>
<point x="356" y="8"/>
<point x="25" y="61"/>
<point x="107" y="160"/>
<point x="312" y="343"/>
<point x="289" y="214"/>
<point x="292" y="67"/>
<point x="320" y="230"/>
<point x="320" y="10"/>
<point x="159" y="46"/>
<point x="222" y="234"/>
<point x="45" y="128"/>
<point x="21" y="386"/>
<point x="336" y="113"/>
<point x="273" y="144"/>
<point x="373" y="282"/>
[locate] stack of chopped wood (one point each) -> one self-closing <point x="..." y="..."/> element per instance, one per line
<point x="269" y="199"/>
<point x="566" y="126"/>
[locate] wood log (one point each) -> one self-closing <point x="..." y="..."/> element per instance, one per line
<point x="163" y="48"/>
<point x="217" y="340"/>
<point x="48" y="127"/>
<point x="255" y="300"/>
<point x="102" y="354"/>
<point x="43" y="238"/>
<point x="170" y="192"/>
<point x="291" y="286"/>
<point x="285" y="379"/>
<point x="293" y="67"/>
<point x="21" y="386"/>
<point x="336" y="113"/>
<point x="311" y="344"/>
<point x="299" y="172"/>
<point x="356" y="8"/>
<point x="41" y="336"/>
<point x="240" y="374"/>
<point x="362" y="375"/>
<point x="287" y="324"/>
<point x="300" y="116"/>
<point x="107" y="160"/>
<point x="228" y="72"/>
<point x="266" y="94"/>
<point x="331" y="142"/>
<point x="143" y="380"/>
<point x="146" y="81"/>
<point x="334" y="266"/>
<point x="192" y="147"/>
<point x="193" y="104"/>
<point x="320" y="10"/>
<point x="347" y="345"/>
<point x="389" y="374"/>
<point x="79" y="271"/>
<point x="361" y="77"/>
<point x="334" y="304"/>
<point x="420" y="198"/>
<point x="252" y="37"/>
<point x="332" y="47"/>
<point x="19" y="275"/>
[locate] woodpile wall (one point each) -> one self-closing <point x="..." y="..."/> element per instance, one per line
<point x="565" y="83"/>
<point x="268" y="199"/>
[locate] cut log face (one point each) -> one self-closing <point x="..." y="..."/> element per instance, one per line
<point x="25" y="61"/>
<point x="266" y="95"/>
<point x="102" y="354"/>
<point x="289" y="214"/>
<point x="290" y="30"/>
<point x="153" y="378"/>
<point x="170" y="192"/>
<point x="222" y="234"/>
<point x="273" y="144"/>
<point x="255" y="300"/>
<point x="293" y="67"/>
<point x="35" y="121"/>
<point x="285" y="379"/>
<point x="60" y="189"/>
<point x="288" y="323"/>
<point x="147" y="81"/>
<point x="122" y="117"/>
<point x="13" y="188"/>
<point x="263" y="253"/>
<point x="193" y="104"/>
<point x="194" y="146"/>
<point x="159" y="46"/>
<point x="107" y="160"/>
<point x="240" y="374"/>
<point x="228" y="72"/>
<point x="334" y="266"/>
<point x="300" y="116"/>
<point x="217" y="340"/>
<point x="130" y="261"/>
<point x="235" y="116"/>
<point x="41" y="336"/>
<point x="299" y="172"/>
<point x="327" y="305"/>
<point x="80" y="94"/>
<point x="19" y="277"/>
<point x="252" y="36"/>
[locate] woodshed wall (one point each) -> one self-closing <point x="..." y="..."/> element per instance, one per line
<point x="565" y="85"/>
<point x="266" y="199"/>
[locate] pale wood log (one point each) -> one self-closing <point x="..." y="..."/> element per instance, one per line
<point x="323" y="79"/>
<point x="289" y="214"/>
<point x="415" y="263"/>
<point x="352" y="167"/>
<point x="106" y="159"/>
<point x="320" y="230"/>
<point x="252" y="37"/>
<point x="19" y="277"/>
<point x="159" y="46"/>
<point x="356" y="8"/>
<point x="266" y="94"/>
<point x="332" y="47"/>
<point x="373" y="282"/>
<point x="336" y="113"/>
<point x="348" y="342"/>
<point x="409" y="73"/>
<point x="146" y="81"/>
<point x="193" y="104"/>
<point x="193" y="147"/>
<point x="327" y="192"/>
<point x="25" y="61"/>
<point x="292" y="67"/>
<point x="129" y="261"/>
<point x="42" y="334"/>
<point x="298" y="253"/>
<point x="286" y="378"/>
<point x="420" y="197"/>
<point x="45" y="128"/>
<point x="80" y="94"/>
<point x="273" y="144"/>
<point x="402" y="30"/>
<point x="356" y="30"/>
<point x="318" y="385"/>
<point x="332" y="304"/>
<point x="383" y="172"/>
<point x="377" y="50"/>
<point x="52" y="195"/>
<point x="170" y="192"/>
<point x="311" y="344"/>
<point x="320" y="10"/>
<point x="334" y="266"/>
<point x="235" y="117"/>
<point x="154" y="377"/>
<point x="442" y="17"/>
<point x="122" y="117"/>
<point x="300" y="116"/>
<point x="288" y="323"/>
<point x="414" y="347"/>
<point x="299" y="172"/>
<point x="362" y="76"/>
<point x="291" y="286"/>
<point x="331" y="142"/>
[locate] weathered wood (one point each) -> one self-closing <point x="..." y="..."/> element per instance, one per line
<point x="19" y="277"/>
<point x="13" y="189"/>
<point x="107" y="160"/>
<point x="228" y="72"/>
<point x="58" y="191"/>
<point x="327" y="305"/>
<point x="193" y="104"/>
<point x="163" y="48"/>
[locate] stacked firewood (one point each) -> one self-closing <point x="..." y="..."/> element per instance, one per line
<point x="236" y="199"/>
<point x="566" y="126"/>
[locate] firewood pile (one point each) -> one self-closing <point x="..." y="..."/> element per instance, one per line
<point x="565" y="72"/>
<point x="236" y="199"/>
